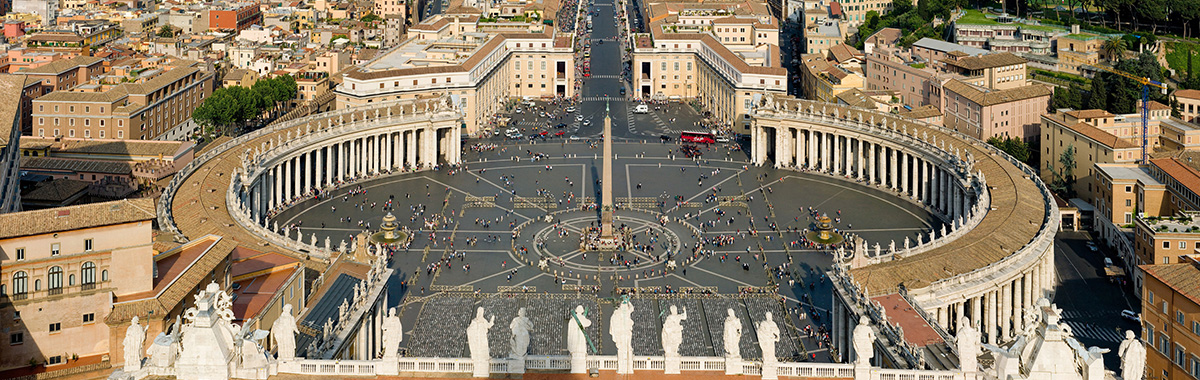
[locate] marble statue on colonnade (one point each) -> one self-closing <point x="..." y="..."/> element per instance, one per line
<point x="731" y="339"/>
<point x="477" y="341"/>
<point x="732" y="336"/>
<point x="1133" y="357"/>
<point x="283" y="331"/>
<point x="577" y="339"/>
<point x="135" y="334"/>
<point x="768" y="335"/>
<point x="393" y="334"/>
<point x="864" y="341"/>
<point x="521" y="327"/>
<point x="967" y="341"/>
<point x="672" y="336"/>
<point x="621" y="329"/>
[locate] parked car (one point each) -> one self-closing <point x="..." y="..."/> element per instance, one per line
<point x="560" y="125"/>
<point x="1092" y="246"/>
<point x="587" y="123"/>
<point x="1107" y="262"/>
<point x="570" y="109"/>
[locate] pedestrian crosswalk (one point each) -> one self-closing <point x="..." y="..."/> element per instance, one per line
<point x="1077" y="314"/>
<point x="605" y="77"/>
<point x="1089" y="331"/>
<point x="610" y="98"/>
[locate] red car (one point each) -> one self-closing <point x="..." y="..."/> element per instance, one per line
<point x="544" y="133"/>
<point x="559" y="133"/>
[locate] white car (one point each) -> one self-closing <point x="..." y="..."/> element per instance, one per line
<point x="641" y="108"/>
<point x="587" y="123"/>
<point x="1129" y="315"/>
<point x="574" y="138"/>
<point x="570" y="109"/>
<point x="578" y="117"/>
<point x="520" y="110"/>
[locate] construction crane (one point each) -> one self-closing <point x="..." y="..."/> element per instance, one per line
<point x="1146" y="83"/>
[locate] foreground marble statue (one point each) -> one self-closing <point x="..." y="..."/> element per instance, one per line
<point x="165" y="348"/>
<point x="577" y="339"/>
<point x="621" y="330"/>
<point x="672" y="337"/>
<point x="967" y="343"/>
<point x="1133" y="357"/>
<point x="521" y="326"/>
<point x="135" y="334"/>
<point x="731" y="339"/>
<point x="393" y="334"/>
<point x="768" y="335"/>
<point x="477" y="341"/>
<point x="864" y="342"/>
<point x="284" y="333"/>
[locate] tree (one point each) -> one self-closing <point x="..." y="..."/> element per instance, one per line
<point x="1114" y="47"/>
<point x="1064" y="179"/>
<point x="1015" y="147"/>
<point x="166" y="31"/>
<point x="370" y="17"/>
<point x="1097" y="99"/>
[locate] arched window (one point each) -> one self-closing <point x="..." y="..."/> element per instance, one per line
<point x="20" y="284"/>
<point x="104" y="275"/>
<point x="54" y="278"/>
<point x="88" y="273"/>
<point x="37" y="285"/>
<point x="71" y="280"/>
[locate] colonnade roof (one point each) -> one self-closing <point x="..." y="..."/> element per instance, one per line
<point x="198" y="207"/>
<point x="1017" y="208"/>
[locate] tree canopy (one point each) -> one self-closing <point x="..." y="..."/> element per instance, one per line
<point x="236" y="104"/>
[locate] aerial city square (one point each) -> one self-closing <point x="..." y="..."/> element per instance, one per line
<point x="567" y="189"/>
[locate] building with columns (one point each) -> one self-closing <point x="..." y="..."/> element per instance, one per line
<point x="480" y="65"/>
<point x="993" y="257"/>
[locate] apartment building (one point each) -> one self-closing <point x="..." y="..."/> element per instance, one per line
<point x="148" y="99"/>
<point x="1079" y="49"/>
<point x="1123" y="192"/>
<point x="385" y="8"/>
<point x="999" y="71"/>
<point x="855" y="11"/>
<point x="64" y="74"/>
<point x="823" y="34"/>
<point x="1189" y="104"/>
<point x="478" y="70"/>
<point x="1171" y="319"/>
<point x="1062" y="131"/>
<point x="981" y="112"/>
<point x="1004" y="33"/>
<point x="234" y="18"/>
<point x="60" y="272"/>
<point x="889" y="68"/>
<point x="690" y="53"/>
<point x="824" y="79"/>
<point x="12" y="87"/>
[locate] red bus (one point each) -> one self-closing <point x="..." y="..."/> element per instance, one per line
<point x="697" y="137"/>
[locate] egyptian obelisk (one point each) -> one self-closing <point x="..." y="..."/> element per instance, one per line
<point x="606" y="180"/>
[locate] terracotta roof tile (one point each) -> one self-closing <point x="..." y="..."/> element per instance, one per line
<point x="69" y="218"/>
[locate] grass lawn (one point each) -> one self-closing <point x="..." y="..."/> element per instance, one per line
<point x="976" y="17"/>
<point x="1177" y="55"/>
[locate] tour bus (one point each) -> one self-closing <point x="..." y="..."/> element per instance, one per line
<point x="697" y="137"/>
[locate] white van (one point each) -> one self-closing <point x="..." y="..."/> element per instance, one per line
<point x="641" y="108"/>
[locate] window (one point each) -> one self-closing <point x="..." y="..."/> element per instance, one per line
<point x="20" y="283"/>
<point x="20" y="254"/>
<point x="1179" y="355"/>
<point x="89" y="317"/>
<point x="16" y="338"/>
<point x="1166" y="245"/>
<point x="54" y="360"/>
<point x="1128" y="202"/>
<point x="87" y="245"/>
<point x="1128" y="189"/>
<point x="1183" y="245"/>
<point x="1179" y="317"/>
<point x="55" y="327"/>
<point x="54" y="249"/>
<point x="88" y="273"/>
<point x="104" y="275"/>
<point x="1196" y="327"/>
<point x="54" y="278"/>
<point x="1164" y="307"/>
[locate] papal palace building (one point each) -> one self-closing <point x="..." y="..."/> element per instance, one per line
<point x="478" y="64"/>
<point x="724" y="54"/>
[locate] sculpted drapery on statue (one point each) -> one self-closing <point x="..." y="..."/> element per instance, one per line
<point x="672" y="331"/>
<point x="135" y="334"/>
<point x="393" y="334"/>
<point x="284" y="333"/>
<point x="520" y="326"/>
<point x="1133" y="357"/>
<point x="477" y="335"/>
<point x="864" y="341"/>
<point x="733" y="335"/>
<point x="576" y="343"/>
<point x="621" y="329"/>
<point x="967" y="343"/>
<point x="768" y="334"/>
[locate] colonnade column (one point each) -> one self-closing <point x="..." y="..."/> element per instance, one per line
<point x="976" y="311"/>
<point x="411" y="151"/>
<point x="860" y="159"/>
<point x="990" y="326"/>
<point x="1005" y="309"/>
<point x="872" y="162"/>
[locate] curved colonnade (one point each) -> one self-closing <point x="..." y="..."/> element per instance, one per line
<point x="246" y="180"/>
<point x="995" y="259"/>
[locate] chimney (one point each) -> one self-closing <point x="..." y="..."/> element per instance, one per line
<point x="1075" y="29"/>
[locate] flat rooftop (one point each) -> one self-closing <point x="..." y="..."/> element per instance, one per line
<point x="1128" y="172"/>
<point x="416" y="53"/>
